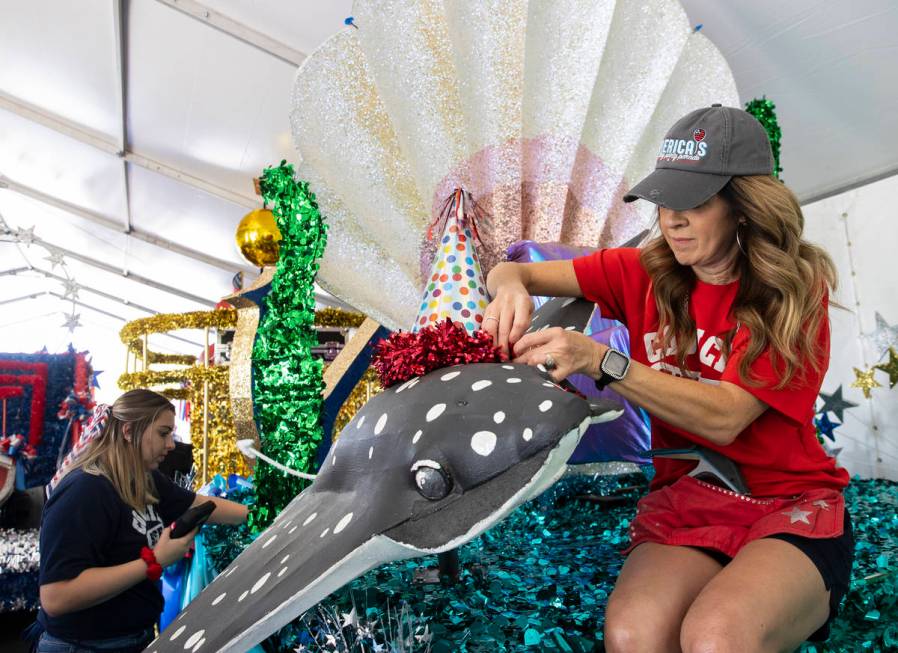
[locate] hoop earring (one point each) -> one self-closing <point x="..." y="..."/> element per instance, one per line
<point x="739" y="243"/>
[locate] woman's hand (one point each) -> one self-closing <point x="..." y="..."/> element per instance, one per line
<point x="169" y="551"/>
<point x="507" y="317"/>
<point x="568" y="352"/>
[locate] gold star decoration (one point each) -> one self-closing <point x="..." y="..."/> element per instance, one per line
<point x="865" y="381"/>
<point x="890" y="368"/>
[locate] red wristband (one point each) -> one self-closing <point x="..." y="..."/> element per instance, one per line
<point x="154" y="569"/>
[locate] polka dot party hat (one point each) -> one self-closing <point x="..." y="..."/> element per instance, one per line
<point x="456" y="287"/>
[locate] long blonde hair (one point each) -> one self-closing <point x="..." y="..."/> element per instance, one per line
<point x="784" y="281"/>
<point x="119" y="460"/>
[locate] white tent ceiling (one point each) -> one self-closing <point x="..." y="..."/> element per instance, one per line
<point x="130" y="131"/>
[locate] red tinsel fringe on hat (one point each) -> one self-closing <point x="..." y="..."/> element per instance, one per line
<point x="404" y="355"/>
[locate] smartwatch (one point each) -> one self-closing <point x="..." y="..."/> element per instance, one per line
<point x="613" y="367"/>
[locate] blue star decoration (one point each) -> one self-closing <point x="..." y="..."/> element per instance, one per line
<point x="835" y="404"/>
<point x="826" y="427"/>
<point x="94" y="379"/>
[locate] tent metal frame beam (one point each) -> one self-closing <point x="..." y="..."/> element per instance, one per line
<point x="113" y="225"/>
<point x="106" y="267"/>
<point x="120" y="25"/>
<point x="103" y="143"/>
<point x="237" y="30"/>
<point x="50" y="293"/>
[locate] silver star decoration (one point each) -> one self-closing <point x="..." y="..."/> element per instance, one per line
<point x="835" y="404"/>
<point x="25" y="236"/>
<point x="820" y="503"/>
<point x="300" y="649"/>
<point x="71" y="289"/>
<point x="72" y="322"/>
<point x="798" y="514"/>
<point x="55" y="258"/>
<point x="883" y="336"/>
<point x="330" y="640"/>
<point x="835" y="451"/>
<point x="350" y="618"/>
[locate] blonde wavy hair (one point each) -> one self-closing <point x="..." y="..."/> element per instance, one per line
<point x="112" y="456"/>
<point x="784" y="281"/>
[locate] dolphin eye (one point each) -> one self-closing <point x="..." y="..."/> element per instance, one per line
<point x="432" y="481"/>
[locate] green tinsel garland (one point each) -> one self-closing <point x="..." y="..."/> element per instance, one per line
<point x="287" y="379"/>
<point x="763" y="109"/>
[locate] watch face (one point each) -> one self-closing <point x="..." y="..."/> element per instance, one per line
<point x="615" y="364"/>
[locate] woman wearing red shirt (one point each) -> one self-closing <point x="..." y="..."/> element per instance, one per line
<point x="728" y="295"/>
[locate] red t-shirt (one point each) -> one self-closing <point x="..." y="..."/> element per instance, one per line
<point x="778" y="454"/>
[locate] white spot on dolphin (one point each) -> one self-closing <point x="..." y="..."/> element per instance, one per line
<point x="193" y="639"/>
<point x="544" y="406"/>
<point x="548" y="385"/>
<point x="512" y="379"/>
<point x="325" y="531"/>
<point x="483" y="442"/>
<point x="360" y="422"/>
<point x="177" y="633"/>
<point x="381" y="423"/>
<point x="290" y="532"/>
<point x="417" y="436"/>
<point x="242" y="596"/>
<point x="449" y="376"/>
<point x="528" y="434"/>
<point x="499" y="417"/>
<point x="198" y="644"/>
<point x="542" y="368"/>
<point x="370" y="452"/>
<point x="282" y="572"/>
<point x="568" y="301"/>
<point x="570" y="328"/>
<point x="334" y="459"/>
<point x="233" y="569"/>
<point x="269" y="540"/>
<point x="260" y="583"/>
<point x="285" y="558"/>
<point x="434" y="412"/>
<point x="480" y="385"/>
<point x="342" y="523"/>
<point x="508" y="367"/>
<point x="411" y="383"/>
<point x="219" y="598"/>
<point x="309" y="519"/>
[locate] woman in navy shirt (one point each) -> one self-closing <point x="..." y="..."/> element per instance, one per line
<point x="104" y="538"/>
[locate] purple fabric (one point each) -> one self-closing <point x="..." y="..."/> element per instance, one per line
<point x="628" y="437"/>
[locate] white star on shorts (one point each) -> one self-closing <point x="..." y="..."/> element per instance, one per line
<point x="798" y="514"/>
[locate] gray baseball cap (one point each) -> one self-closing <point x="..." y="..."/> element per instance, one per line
<point x="701" y="153"/>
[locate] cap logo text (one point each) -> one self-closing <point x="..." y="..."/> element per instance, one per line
<point x="681" y="149"/>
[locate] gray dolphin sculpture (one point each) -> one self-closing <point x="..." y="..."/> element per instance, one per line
<point x="422" y="468"/>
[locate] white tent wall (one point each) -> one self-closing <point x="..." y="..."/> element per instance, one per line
<point x="859" y="231"/>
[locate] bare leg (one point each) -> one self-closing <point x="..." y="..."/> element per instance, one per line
<point x="656" y="586"/>
<point x="771" y="597"/>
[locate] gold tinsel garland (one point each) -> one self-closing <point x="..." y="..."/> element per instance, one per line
<point x="335" y="317"/>
<point x="223" y="456"/>
<point x="367" y="387"/>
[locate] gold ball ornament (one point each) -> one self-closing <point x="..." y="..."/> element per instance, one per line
<point x="258" y="238"/>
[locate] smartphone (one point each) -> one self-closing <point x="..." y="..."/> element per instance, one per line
<point x="194" y="517"/>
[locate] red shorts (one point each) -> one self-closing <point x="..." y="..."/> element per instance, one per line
<point x="690" y="512"/>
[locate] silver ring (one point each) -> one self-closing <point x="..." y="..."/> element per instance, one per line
<point x="550" y="362"/>
<point x="490" y="317"/>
